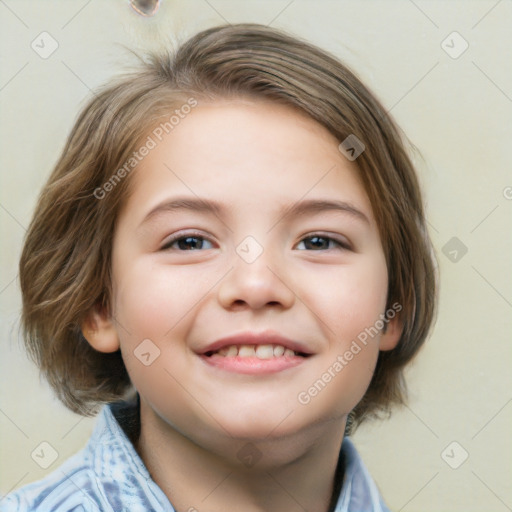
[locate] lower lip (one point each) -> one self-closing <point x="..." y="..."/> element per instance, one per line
<point x="253" y="365"/>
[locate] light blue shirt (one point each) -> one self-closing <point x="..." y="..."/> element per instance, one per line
<point x="109" y="476"/>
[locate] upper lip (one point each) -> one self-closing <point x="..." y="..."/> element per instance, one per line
<point x="256" y="338"/>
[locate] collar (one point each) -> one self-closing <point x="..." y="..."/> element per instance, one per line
<point x="125" y="482"/>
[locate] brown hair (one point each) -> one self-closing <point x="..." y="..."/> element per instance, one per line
<point x="65" y="267"/>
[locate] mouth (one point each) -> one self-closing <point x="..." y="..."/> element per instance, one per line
<point x="255" y="354"/>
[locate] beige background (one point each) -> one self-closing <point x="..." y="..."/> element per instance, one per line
<point x="457" y="111"/>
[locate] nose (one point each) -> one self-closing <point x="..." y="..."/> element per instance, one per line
<point x="255" y="285"/>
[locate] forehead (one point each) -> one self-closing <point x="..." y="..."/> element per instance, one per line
<point x="247" y="151"/>
<point x="239" y="130"/>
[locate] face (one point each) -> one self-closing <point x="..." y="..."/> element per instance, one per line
<point x="247" y="223"/>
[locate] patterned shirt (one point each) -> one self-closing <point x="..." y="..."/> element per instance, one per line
<point x="109" y="476"/>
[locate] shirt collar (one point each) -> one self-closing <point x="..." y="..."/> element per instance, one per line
<point x="126" y="481"/>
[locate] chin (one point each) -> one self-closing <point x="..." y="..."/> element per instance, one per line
<point x="264" y="425"/>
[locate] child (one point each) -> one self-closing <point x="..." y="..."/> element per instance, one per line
<point x="231" y="255"/>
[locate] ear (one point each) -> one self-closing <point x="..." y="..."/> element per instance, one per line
<point x="99" y="330"/>
<point x="391" y="334"/>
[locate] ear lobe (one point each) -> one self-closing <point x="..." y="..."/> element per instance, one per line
<point x="391" y="335"/>
<point x="99" y="330"/>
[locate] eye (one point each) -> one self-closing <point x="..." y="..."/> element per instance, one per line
<point x="190" y="242"/>
<point x="318" y="242"/>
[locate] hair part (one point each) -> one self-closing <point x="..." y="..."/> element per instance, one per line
<point x="65" y="267"/>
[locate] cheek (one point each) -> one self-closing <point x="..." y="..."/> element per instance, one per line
<point x="151" y="304"/>
<point x="348" y="298"/>
<point x="153" y="299"/>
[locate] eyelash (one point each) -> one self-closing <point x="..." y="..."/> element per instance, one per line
<point x="178" y="237"/>
<point x="343" y="245"/>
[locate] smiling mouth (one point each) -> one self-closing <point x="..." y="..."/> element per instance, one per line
<point x="258" y="351"/>
<point x="254" y="359"/>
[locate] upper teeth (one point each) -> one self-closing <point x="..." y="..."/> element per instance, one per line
<point x="260" y="351"/>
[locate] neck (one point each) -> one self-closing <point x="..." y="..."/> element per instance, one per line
<point x="296" y="473"/>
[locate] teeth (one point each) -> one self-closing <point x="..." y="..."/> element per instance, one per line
<point x="246" y="351"/>
<point x="259" y="351"/>
<point x="265" y="351"/>
<point x="278" y="350"/>
<point x="232" y="351"/>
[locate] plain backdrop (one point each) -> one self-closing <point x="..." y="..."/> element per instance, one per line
<point x="450" y="449"/>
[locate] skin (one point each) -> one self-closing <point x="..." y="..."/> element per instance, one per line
<point x="255" y="159"/>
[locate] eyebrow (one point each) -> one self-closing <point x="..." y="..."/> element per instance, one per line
<point x="311" y="206"/>
<point x="299" y="209"/>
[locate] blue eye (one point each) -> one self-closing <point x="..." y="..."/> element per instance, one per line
<point x="188" y="243"/>
<point x="322" y="243"/>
